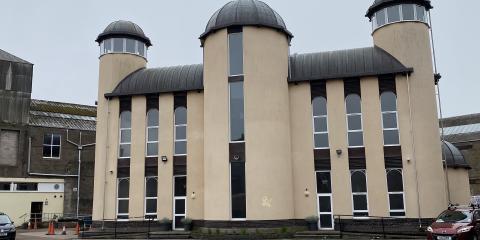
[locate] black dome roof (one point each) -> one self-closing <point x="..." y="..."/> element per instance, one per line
<point x="123" y="28"/>
<point x="245" y="13"/>
<point x="379" y="4"/>
<point x="453" y="156"/>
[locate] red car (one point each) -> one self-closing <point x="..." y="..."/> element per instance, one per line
<point x="456" y="223"/>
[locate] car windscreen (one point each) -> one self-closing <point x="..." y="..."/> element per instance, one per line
<point x="450" y="216"/>
<point x="4" y="220"/>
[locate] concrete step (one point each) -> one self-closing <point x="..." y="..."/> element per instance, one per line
<point x="170" y="235"/>
<point x="318" y="235"/>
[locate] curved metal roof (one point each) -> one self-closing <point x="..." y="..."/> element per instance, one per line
<point x="245" y="13"/>
<point x="379" y="4"/>
<point x="360" y="62"/>
<point x="123" y="28"/>
<point x="158" y="80"/>
<point x="453" y="156"/>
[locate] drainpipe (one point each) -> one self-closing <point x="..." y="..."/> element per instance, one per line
<point x="106" y="162"/>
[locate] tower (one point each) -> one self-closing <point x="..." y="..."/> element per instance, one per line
<point x="123" y="50"/>
<point x="401" y="28"/>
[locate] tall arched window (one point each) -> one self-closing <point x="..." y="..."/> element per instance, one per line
<point x="359" y="193"/>
<point x="152" y="133"/>
<point x="320" y="123"/>
<point x="389" y="118"/>
<point x="396" y="197"/>
<point x="123" y="197"/>
<point x="151" y="197"/>
<point x="125" y="134"/>
<point x="180" y="131"/>
<point x="354" y="120"/>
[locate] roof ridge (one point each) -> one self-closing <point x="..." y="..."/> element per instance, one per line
<point x="68" y="103"/>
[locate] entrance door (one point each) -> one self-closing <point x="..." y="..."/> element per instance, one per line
<point x="324" y="200"/>
<point x="179" y="201"/>
<point x="36" y="212"/>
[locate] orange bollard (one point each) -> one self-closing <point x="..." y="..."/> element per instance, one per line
<point x="51" y="230"/>
<point x="77" y="229"/>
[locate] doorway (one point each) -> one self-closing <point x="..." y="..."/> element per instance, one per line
<point x="179" y="201"/>
<point x="36" y="212"/>
<point x="324" y="200"/>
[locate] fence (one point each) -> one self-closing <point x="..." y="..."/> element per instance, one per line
<point x="38" y="218"/>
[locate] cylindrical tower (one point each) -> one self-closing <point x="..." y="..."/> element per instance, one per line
<point x="401" y="27"/>
<point x="123" y="50"/>
<point x="248" y="168"/>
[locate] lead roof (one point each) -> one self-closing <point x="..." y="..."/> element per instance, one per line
<point x="123" y="28"/>
<point x="453" y="156"/>
<point x="380" y="4"/>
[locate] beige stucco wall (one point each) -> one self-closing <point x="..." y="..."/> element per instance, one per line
<point x="165" y="169"/>
<point x="137" y="161"/>
<point x="303" y="165"/>
<point x="459" y="186"/>
<point x="216" y="153"/>
<point x="113" y="68"/>
<point x="409" y="42"/>
<point x="268" y="167"/>
<point x="195" y="155"/>
<point x="341" y="185"/>
<point x="373" y="141"/>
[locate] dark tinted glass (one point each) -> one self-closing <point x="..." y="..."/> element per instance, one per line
<point x="130" y="46"/>
<point x="408" y="12"/>
<point x="355" y="122"/>
<point x="237" y="130"/>
<point x="394" y="180"/>
<point x="180" y="132"/>
<point x="359" y="183"/>
<point x="396" y="201"/>
<point x="55" y="151"/>
<point x="420" y="13"/>
<point x="4" y="186"/>
<point x="151" y="206"/>
<point x="27" y="186"/>
<point x="56" y="139"/>
<point x="180" y="147"/>
<point x="179" y="206"/>
<point x="152" y="149"/>
<point x="235" y="45"/>
<point x="178" y="221"/>
<point x="388" y="101"/>
<point x="353" y="103"/>
<point x="397" y="214"/>
<point x="118" y="44"/>
<point x="321" y="140"/>
<point x="380" y="15"/>
<point x="360" y="214"/>
<point x="123" y="216"/>
<point x="180" y="186"/>
<point x="125" y="119"/>
<point x="390" y="137"/>
<point x="360" y="202"/>
<point x="319" y="105"/>
<point x="123" y="188"/>
<point x="323" y="182"/>
<point x="123" y="206"/>
<point x="455" y="216"/>
<point x="389" y="120"/>
<point x="238" y="189"/>
<point x="355" y="139"/>
<point x="47" y="151"/>
<point x="320" y="124"/>
<point x="326" y="221"/>
<point x="125" y="150"/>
<point x="152" y="117"/>
<point x="393" y="13"/>
<point x="180" y="115"/>
<point x="151" y="187"/>
<point x="324" y="204"/>
<point x="47" y="139"/>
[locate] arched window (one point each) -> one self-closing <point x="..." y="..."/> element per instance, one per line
<point x="359" y="193"/>
<point x="152" y="133"/>
<point x="388" y="102"/>
<point x="151" y="184"/>
<point x="180" y="131"/>
<point x="125" y="134"/>
<point x="396" y="197"/>
<point x="320" y="123"/>
<point x="123" y="197"/>
<point x="354" y="120"/>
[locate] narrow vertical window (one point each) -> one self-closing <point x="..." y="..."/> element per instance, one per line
<point x="324" y="199"/>
<point x="237" y="129"/>
<point x="408" y="12"/>
<point x="420" y="13"/>
<point x="123" y="197"/>
<point x="381" y="17"/>
<point x="359" y="193"/>
<point x="152" y="133"/>
<point x="388" y="102"/>
<point x="180" y="131"/>
<point x="125" y="134"/>
<point x="237" y="175"/>
<point x="396" y="197"/>
<point x="320" y="122"/>
<point x="51" y="146"/>
<point x="235" y="53"/>
<point x="354" y="120"/>
<point x="118" y="44"/>
<point x="393" y="13"/>
<point x="8" y="83"/>
<point x="151" y="197"/>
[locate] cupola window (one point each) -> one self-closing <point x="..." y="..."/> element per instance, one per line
<point x="122" y="45"/>
<point x="399" y="13"/>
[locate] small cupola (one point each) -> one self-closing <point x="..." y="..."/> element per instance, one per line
<point x="123" y="37"/>
<point x="384" y="12"/>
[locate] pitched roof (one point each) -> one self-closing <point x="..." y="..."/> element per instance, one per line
<point x="62" y="115"/>
<point x="5" y="56"/>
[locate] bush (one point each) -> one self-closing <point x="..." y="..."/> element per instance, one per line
<point x="186" y="221"/>
<point x="312" y="219"/>
<point x="165" y="221"/>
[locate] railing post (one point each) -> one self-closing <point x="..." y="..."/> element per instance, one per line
<point x="383" y="228"/>
<point x="340" y="226"/>
<point x="115" y="229"/>
<point x="148" y="231"/>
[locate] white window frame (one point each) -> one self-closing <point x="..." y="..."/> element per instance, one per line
<point x="120" y="143"/>
<point x="364" y="171"/>
<point x="387" y="22"/>
<point x="174" y="204"/>
<point x="122" y="199"/>
<point x="331" y="202"/>
<point x="361" y="122"/>
<point x="396" y="118"/>
<point x="146" y="134"/>
<point x="404" y="210"/>
<point x="320" y="133"/>
<point x="150" y="198"/>
<point x="175" y="134"/>
<point x="231" y="205"/>
<point x="51" y="145"/>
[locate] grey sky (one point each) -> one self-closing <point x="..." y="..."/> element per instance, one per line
<point x="58" y="37"/>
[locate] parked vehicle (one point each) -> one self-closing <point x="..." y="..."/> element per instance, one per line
<point x="456" y="223"/>
<point x="7" y="229"/>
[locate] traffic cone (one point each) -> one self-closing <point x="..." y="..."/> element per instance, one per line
<point x="64" y="231"/>
<point x="51" y="230"/>
<point x="77" y="229"/>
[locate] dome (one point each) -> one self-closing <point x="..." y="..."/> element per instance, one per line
<point x="453" y="156"/>
<point x="379" y="4"/>
<point x="123" y="28"/>
<point x="245" y="13"/>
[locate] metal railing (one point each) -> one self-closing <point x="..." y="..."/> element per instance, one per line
<point x="118" y="228"/>
<point x="48" y="217"/>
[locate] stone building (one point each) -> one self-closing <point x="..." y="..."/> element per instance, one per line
<point x="256" y="136"/>
<point x="38" y="162"/>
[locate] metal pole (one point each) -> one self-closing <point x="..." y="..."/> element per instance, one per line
<point x="148" y="231"/>
<point x="79" y="170"/>
<point x="383" y="228"/>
